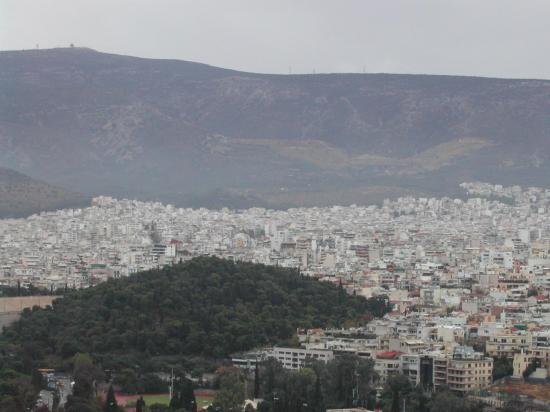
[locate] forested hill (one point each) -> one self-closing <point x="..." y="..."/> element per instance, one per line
<point x="206" y="307"/>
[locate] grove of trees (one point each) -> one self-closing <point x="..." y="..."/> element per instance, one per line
<point x="207" y="307"/>
<point x="345" y="382"/>
<point x="194" y="313"/>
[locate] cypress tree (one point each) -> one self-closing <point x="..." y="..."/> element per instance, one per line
<point x="140" y="405"/>
<point x="256" y="381"/>
<point x="177" y="400"/>
<point x="188" y="395"/>
<point x="111" y="403"/>
<point x="318" y="403"/>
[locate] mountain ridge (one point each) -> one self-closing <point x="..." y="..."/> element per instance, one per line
<point x="181" y="131"/>
<point x="319" y="74"/>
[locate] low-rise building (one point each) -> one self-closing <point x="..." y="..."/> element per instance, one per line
<point x="508" y="344"/>
<point x="296" y="358"/>
<point x="387" y="364"/>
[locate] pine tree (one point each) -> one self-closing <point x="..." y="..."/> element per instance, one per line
<point x="111" y="403"/>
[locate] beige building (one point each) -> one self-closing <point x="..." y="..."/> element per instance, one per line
<point x="464" y="371"/>
<point x="407" y="345"/>
<point x="525" y="357"/>
<point x="507" y="345"/>
<point x="521" y="361"/>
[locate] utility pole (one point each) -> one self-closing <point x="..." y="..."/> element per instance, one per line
<point x="171" y="384"/>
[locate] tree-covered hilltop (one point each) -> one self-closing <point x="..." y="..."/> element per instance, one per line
<point x="206" y="307"/>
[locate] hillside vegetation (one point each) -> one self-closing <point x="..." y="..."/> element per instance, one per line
<point x="205" y="308"/>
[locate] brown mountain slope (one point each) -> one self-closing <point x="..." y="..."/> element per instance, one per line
<point x="21" y="196"/>
<point x="180" y="131"/>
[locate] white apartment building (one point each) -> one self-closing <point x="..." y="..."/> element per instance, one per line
<point x="296" y="358"/>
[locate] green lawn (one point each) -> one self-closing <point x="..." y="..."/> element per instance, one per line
<point x="204" y="402"/>
<point x="152" y="399"/>
<point x="163" y="399"/>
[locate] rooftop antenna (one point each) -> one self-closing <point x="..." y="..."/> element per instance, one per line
<point x="289" y="69"/>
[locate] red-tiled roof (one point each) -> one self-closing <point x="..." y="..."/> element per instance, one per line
<point x="388" y="355"/>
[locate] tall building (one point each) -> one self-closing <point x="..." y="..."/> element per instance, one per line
<point x="463" y="371"/>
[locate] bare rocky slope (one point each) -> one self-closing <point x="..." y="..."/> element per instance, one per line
<point x="193" y="134"/>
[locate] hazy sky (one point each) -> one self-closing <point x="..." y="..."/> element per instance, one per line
<point x="505" y="38"/>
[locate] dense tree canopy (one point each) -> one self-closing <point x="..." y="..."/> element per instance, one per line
<point x="206" y="307"/>
<point x="16" y="391"/>
<point x="84" y="396"/>
<point x="344" y="382"/>
<point x="502" y="367"/>
<point x="230" y="397"/>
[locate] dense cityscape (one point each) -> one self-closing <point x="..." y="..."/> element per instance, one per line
<point x="403" y="245"/>
<point x="468" y="280"/>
